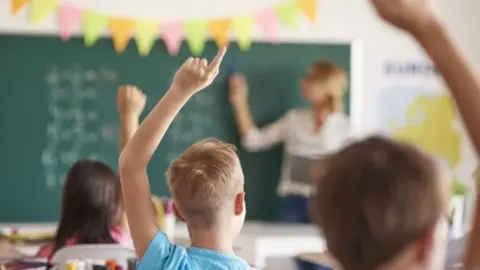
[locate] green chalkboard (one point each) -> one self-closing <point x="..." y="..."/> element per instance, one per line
<point x="58" y="104"/>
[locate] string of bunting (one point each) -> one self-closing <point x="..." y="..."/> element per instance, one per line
<point x="145" y="32"/>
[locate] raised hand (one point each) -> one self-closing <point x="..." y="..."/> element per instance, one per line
<point x="130" y="100"/>
<point x="413" y="16"/>
<point x="195" y="74"/>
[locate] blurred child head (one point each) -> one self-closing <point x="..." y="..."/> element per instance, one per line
<point x="324" y="84"/>
<point x="207" y="186"/>
<point x="91" y="204"/>
<point x="382" y="205"/>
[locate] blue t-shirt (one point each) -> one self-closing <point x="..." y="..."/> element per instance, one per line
<point x="161" y="254"/>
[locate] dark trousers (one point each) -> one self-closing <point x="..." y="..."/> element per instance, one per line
<point x="295" y="209"/>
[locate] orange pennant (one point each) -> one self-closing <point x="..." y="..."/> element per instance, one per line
<point x="309" y="8"/>
<point x="16" y="5"/>
<point x="121" y="32"/>
<point x="219" y="30"/>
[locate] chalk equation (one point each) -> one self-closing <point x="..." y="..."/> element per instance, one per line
<point x="73" y="109"/>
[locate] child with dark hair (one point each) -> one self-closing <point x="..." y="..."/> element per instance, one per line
<point x="383" y="205"/>
<point x="92" y="209"/>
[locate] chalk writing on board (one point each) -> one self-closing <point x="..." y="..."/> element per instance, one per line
<point x="74" y="110"/>
<point x="193" y="124"/>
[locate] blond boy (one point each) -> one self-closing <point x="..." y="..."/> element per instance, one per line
<point x="206" y="182"/>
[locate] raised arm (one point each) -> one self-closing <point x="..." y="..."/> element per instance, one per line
<point x="130" y="104"/>
<point x="253" y="139"/>
<point x="417" y="18"/>
<point x="192" y="76"/>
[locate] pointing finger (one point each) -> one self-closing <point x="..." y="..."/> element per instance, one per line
<point x="217" y="60"/>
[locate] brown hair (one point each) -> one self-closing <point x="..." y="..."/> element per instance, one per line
<point x="377" y="197"/>
<point x="203" y="178"/>
<point x="91" y="204"/>
<point x="336" y="79"/>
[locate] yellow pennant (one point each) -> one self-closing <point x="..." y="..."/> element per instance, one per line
<point x="146" y="33"/>
<point x="16" y="5"/>
<point x="121" y="31"/>
<point x="243" y="27"/>
<point x="288" y="13"/>
<point x="197" y="33"/>
<point x="309" y="8"/>
<point x="93" y="25"/>
<point x="219" y="31"/>
<point x="39" y="9"/>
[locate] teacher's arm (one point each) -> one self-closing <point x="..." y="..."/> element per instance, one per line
<point x="253" y="138"/>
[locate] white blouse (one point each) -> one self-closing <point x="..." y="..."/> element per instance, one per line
<point x="296" y="129"/>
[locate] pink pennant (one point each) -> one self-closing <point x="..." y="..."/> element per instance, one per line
<point x="68" y="17"/>
<point x="172" y="36"/>
<point x="267" y="20"/>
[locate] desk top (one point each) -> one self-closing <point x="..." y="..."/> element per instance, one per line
<point x="252" y="228"/>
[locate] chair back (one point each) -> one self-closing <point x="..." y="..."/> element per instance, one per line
<point x="93" y="252"/>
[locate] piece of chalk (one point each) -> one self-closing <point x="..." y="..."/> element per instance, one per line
<point x="231" y="70"/>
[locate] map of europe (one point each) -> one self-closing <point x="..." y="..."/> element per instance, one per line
<point x="426" y="118"/>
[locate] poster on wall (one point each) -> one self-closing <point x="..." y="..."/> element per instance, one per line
<point x="414" y="106"/>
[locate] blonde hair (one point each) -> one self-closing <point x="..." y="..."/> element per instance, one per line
<point x="203" y="178"/>
<point x="336" y="80"/>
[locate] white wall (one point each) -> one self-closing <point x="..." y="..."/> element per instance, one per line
<point x="339" y="20"/>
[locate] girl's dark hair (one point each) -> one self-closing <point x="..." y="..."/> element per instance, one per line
<point x="90" y="204"/>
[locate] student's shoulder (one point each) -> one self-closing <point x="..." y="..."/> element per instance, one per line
<point x="161" y="254"/>
<point x="45" y="251"/>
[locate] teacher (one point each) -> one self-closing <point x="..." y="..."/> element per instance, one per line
<point x="308" y="134"/>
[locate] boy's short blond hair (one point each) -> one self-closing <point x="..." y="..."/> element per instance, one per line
<point x="375" y="198"/>
<point x="203" y="178"/>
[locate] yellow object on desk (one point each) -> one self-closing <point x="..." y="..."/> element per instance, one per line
<point x="159" y="210"/>
<point x="165" y="216"/>
<point x="30" y="237"/>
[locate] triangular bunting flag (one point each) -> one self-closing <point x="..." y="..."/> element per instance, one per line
<point x="267" y="21"/>
<point x="121" y="32"/>
<point x="219" y="31"/>
<point x="39" y="9"/>
<point x="242" y="27"/>
<point x="288" y="13"/>
<point x="145" y="35"/>
<point x="16" y="5"/>
<point x="197" y="33"/>
<point x="309" y="8"/>
<point x="172" y="37"/>
<point x="93" y="25"/>
<point x="68" y="18"/>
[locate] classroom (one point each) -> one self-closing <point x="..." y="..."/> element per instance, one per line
<point x="79" y="77"/>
